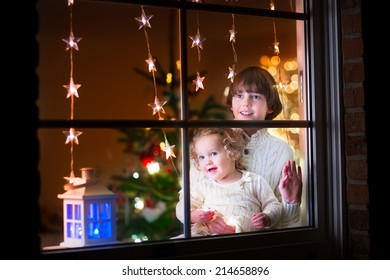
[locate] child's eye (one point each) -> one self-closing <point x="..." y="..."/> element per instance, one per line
<point x="213" y="154"/>
<point x="255" y="97"/>
<point x="238" y="95"/>
<point x="201" y="157"/>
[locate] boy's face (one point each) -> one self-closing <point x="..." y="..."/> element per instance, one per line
<point x="249" y="106"/>
<point x="213" y="160"/>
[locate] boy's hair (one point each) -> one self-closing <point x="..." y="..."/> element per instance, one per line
<point x="257" y="79"/>
<point x="231" y="139"/>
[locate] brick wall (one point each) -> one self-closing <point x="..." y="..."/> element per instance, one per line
<point x="355" y="130"/>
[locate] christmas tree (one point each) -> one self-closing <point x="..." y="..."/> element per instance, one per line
<point x="148" y="191"/>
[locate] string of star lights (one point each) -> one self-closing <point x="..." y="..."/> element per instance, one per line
<point x="157" y="105"/>
<point x="197" y="42"/>
<point x="72" y="90"/>
<point x="287" y="86"/>
<point x="276" y="48"/>
<point x="232" y="39"/>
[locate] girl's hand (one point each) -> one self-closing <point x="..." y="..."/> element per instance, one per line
<point x="202" y="216"/>
<point x="290" y="185"/>
<point x="260" y="220"/>
<point x="219" y="226"/>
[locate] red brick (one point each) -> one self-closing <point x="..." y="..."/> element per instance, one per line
<point x="359" y="220"/>
<point x="358" y="194"/>
<point x="354" y="97"/>
<point x="355" y="122"/>
<point x="353" y="48"/>
<point x="352" y="23"/>
<point x="355" y="145"/>
<point x="353" y="72"/>
<point x="359" y="244"/>
<point x="357" y="169"/>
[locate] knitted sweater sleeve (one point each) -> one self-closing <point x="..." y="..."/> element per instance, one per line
<point x="267" y="157"/>
<point x="269" y="203"/>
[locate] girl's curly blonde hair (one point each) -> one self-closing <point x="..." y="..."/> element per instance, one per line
<point x="231" y="139"/>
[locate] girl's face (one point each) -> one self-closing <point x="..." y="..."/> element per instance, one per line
<point x="249" y="106"/>
<point x="213" y="159"/>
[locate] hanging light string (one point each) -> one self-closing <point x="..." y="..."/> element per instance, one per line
<point x="157" y="106"/>
<point x="72" y="89"/>
<point x="197" y="42"/>
<point x="143" y="22"/>
<point x="232" y="39"/>
<point x="276" y="47"/>
<point x="279" y="86"/>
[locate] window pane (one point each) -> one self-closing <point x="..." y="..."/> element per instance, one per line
<point x="110" y="64"/>
<point x="92" y="213"/>
<point x="130" y="162"/>
<point x="254" y="45"/>
<point x="105" y="211"/>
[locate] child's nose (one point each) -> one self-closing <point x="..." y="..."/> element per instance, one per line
<point x="246" y="101"/>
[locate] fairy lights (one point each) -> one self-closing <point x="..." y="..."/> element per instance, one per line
<point x="232" y="40"/>
<point x="143" y="22"/>
<point x="157" y="105"/>
<point x="72" y="90"/>
<point x="197" y="41"/>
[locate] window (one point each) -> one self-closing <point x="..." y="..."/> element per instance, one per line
<point x="127" y="139"/>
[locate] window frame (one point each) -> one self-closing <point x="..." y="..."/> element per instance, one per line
<point x="326" y="237"/>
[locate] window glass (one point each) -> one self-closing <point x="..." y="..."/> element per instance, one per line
<point x="145" y="166"/>
<point x="109" y="63"/>
<point x="130" y="162"/>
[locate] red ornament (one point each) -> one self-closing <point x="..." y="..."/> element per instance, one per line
<point x="146" y="158"/>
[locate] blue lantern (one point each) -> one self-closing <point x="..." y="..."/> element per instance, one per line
<point x="89" y="212"/>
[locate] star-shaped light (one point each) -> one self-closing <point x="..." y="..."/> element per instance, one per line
<point x="143" y="20"/>
<point x="168" y="149"/>
<point x="276" y="47"/>
<point x="150" y="61"/>
<point x="75" y="180"/>
<point x="198" y="81"/>
<point x="197" y="40"/>
<point x="231" y="74"/>
<point x="71" y="136"/>
<point x="71" y="42"/>
<point x="157" y="106"/>
<point x="232" y="35"/>
<point x="72" y="88"/>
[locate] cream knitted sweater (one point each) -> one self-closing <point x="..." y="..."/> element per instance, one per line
<point x="236" y="202"/>
<point x="265" y="155"/>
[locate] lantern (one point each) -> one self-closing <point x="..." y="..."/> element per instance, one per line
<point x="89" y="212"/>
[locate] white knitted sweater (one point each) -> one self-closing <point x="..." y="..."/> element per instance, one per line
<point x="236" y="202"/>
<point x="265" y="155"/>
